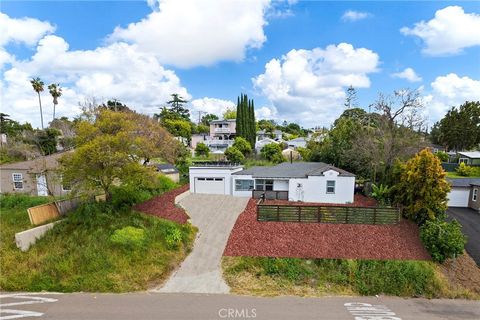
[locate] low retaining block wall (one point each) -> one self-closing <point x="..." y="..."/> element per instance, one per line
<point x="28" y="237"/>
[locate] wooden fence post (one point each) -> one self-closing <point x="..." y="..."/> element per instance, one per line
<point x="299" y="213"/>
<point x="319" y="217"/>
<point x="278" y="213"/>
<point x="375" y="215"/>
<point x="346" y="215"/>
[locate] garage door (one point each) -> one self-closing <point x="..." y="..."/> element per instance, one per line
<point x="210" y="185"/>
<point x="458" y="197"/>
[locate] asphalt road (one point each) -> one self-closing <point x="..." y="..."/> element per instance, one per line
<point x="470" y="221"/>
<point x="145" y="306"/>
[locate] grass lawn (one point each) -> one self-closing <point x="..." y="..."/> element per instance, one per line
<point x="80" y="254"/>
<point x="320" y="277"/>
<point x="453" y="174"/>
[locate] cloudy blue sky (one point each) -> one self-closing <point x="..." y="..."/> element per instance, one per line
<point x="295" y="58"/>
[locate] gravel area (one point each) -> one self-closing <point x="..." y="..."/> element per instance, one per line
<point x="163" y="206"/>
<point x="320" y="240"/>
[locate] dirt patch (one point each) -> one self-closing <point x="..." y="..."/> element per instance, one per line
<point x="163" y="206"/>
<point x="250" y="237"/>
<point x="462" y="271"/>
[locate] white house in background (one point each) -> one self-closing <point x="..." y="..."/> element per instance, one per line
<point x="275" y="135"/>
<point x="297" y="142"/>
<point x="298" y="181"/>
<point x="464" y="192"/>
<point x="262" y="143"/>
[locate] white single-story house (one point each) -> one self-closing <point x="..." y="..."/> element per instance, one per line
<point x="464" y="192"/>
<point x="297" y="181"/>
<point x="300" y="142"/>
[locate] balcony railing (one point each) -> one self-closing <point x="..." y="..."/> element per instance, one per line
<point x="222" y="130"/>
<point x="217" y="142"/>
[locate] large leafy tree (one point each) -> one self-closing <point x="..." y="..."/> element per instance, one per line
<point x="422" y="189"/>
<point x="111" y="150"/>
<point x="459" y="129"/>
<point x="55" y="92"/>
<point x="176" y="106"/>
<point x="272" y="152"/>
<point x="37" y="85"/>
<point x="207" y="118"/>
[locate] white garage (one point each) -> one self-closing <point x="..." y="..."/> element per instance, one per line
<point x="210" y="185"/>
<point x="212" y="178"/>
<point x="458" y="197"/>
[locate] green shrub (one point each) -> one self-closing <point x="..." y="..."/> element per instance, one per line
<point x="129" y="237"/>
<point x="202" y="150"/>
<point x="242" y="145"/>
<point x="464" y="170"/>
<point x="234" y="155"/>
<point x="165" y="184"/>
<point x="443" y="239"/>
<point x="173" y="237"/>
<point x="381" y="193"/>
<point x="443" y="156"/>
<point x="272" y="152"/>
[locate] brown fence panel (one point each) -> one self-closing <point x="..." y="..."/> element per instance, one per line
<point x="327" y="214"/>
<point x="42" y="213"/>
<point x="270" y="194"/>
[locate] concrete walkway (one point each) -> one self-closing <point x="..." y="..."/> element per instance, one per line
<point x="214" y="215"/>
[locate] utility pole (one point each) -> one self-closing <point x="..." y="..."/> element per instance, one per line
<point x="200" y="115"/>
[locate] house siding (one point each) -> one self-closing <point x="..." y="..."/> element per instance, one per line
<point x="315" y="189"/>
<point x="474" y="204"/>
<point x="29" y="183"/>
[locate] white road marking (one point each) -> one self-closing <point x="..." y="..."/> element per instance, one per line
<point x="367" y="311"/>
<point x="31" y="299"/>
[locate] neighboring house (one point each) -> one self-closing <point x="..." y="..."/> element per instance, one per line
<point x="262" y="143"/>
<point x="298" y="181"/>
<point x="169" y="170"/>
<point x="222" y="135"/>
<point x="469" y="157"/>
<point x="436" y="148"/>
<point x="197" y="138"/>
<point x="464" y="192"/>
<point x="275" y="135"/>
<point x="35" y="177"/>
<point x="297" y="142"/>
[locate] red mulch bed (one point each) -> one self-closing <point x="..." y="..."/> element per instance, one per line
<point x="358" y="201"/>
<point x="163" y="206"/>
<point x="321" y="240"/>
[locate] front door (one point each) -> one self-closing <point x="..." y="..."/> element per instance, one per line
<point x="42" y="189"/>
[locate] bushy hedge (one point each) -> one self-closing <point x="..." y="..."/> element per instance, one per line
<point x="21" y="201"/>
<point x="443" y="239"/>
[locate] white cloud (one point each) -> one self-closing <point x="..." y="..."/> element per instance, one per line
<point x="352" y="16"/>
<point x="210" y="105"/>
<point x="25" y="30"/>
<point x="408" y="74"/>
<point x="118" y="70"/>
<point x="448" y="33"/>
<point x="189" y="33"/>
<point x="448" y="91"/>
<point x="308" y="85"/>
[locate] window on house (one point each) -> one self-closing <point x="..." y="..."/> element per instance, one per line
<point x="474" y="195"/>
<point x="66" y="186"/>
<point x="330" y="186"/>
<point x="243" y="185"/>
<point x="264" y="184"/>
<point x="17" y="181"/>
<point x="463" y="160"/>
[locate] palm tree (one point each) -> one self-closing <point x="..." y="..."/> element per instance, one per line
<point x="56" y="93"/>
<point x="37" y="85"/>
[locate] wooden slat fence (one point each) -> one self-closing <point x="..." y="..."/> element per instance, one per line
<point x="327" y="214"/>
<point x="45" y="212"/>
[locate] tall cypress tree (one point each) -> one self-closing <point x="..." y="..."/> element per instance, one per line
<point x="239" y="120"/>
<point x="253" y="128"/>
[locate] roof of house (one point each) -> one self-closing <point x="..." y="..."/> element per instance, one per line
<point x="223" y="120"/>
<point x="293" y="170"/>
<point x="35" y="165"/>
<point x="470" y="154"/>
<point x="299" y="139"/>
<point x="463" y="182"/>
<point x="166" y="168"/>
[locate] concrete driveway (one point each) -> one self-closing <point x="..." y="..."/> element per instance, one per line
<point x="214" y="215"/>
<point x="470" y="221"/>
